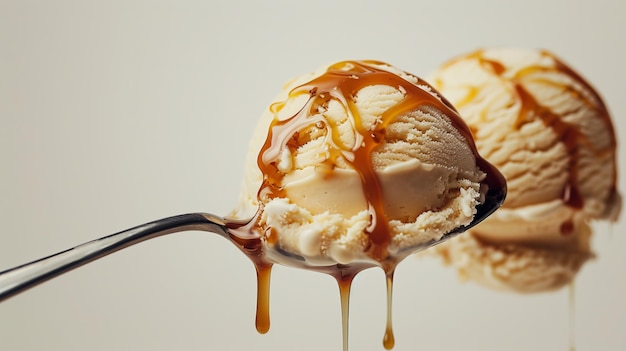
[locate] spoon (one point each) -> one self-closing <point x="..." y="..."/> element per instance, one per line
<point x="243" y="235"/>
<point x="19" y="279"/>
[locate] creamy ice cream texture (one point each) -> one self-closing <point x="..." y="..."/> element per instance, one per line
<point x="548" y="131"/>
<point x="358" y="161"/>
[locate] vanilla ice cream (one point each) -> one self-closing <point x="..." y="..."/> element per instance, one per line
<point x="546" y="129"/>
<point x="358" y="161"/>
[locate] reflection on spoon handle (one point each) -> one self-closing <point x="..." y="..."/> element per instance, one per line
<point x="16" y="280"/>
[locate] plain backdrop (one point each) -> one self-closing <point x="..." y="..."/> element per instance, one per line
<point x="115" y="113"/>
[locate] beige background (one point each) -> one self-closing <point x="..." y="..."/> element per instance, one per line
<point x="114" y="113"/>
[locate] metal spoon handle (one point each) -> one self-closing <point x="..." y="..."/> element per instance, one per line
<point x="16" y="280"/>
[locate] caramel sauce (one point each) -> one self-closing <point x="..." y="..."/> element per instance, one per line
<point x="341" y="83"/>
<point x="389" y="340"/>
<point x="344" y="281"/>
<point x="569" y="134"/>
<point x="262" y="321"/>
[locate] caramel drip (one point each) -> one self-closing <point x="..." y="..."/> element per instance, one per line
<point x="262" y="321"/>
<point x="344" y="280"/>
<point x="570" y="134"/>
<point x="248" y="239"/>
<point x="389" y="340"/>
<point x="340" y="83"/>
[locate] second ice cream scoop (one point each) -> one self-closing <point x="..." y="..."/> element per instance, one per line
<point x="551" y="135"/>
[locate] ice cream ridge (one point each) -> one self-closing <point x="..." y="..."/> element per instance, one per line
<point x="550" y="134"/>
<point x="358" y="165"/>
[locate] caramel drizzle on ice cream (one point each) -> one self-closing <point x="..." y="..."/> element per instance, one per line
<point x="341" y="83"/>
<point x="570" y="134"/>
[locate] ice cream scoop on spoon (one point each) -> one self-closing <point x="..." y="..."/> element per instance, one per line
<point x="356" y="165"/>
